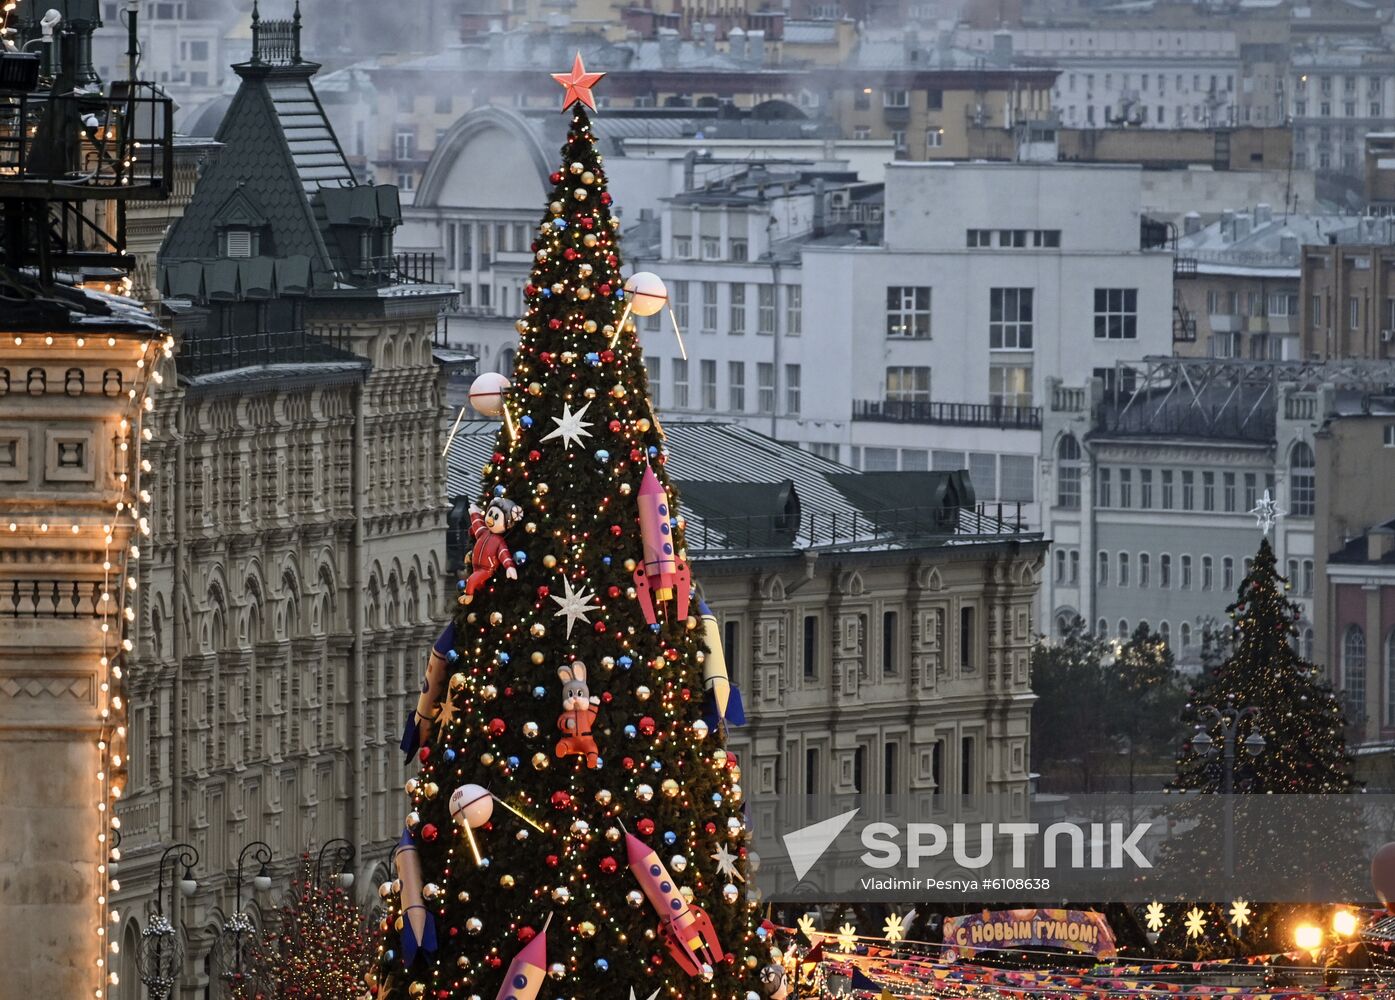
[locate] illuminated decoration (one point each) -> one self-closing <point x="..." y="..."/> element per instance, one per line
<point x="1267" y="513"/>
<point x="573" y="605"/>
<point x="1154" y="916"/>
<point x="1196" y="922"/>
<point x="648" y="780"/>
<point x="1239" y="914"/>
<point x="726" y="864"/>
<point x="1345" y="923"/>
<point x="894" y="929"/>
<point x="808" y="928"/>
<point x="577" y="85"/>
<point x="847" y="938"/>
<point x="1308" y="937"/>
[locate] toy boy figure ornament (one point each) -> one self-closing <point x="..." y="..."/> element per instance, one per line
<point x="491" y="551"/>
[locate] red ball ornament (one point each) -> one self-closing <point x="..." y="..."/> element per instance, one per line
<point x="610" y="866"/>
<point x="429" y="833"/>
<point x="545" y="357"/>
<point x="424" y="754"/>
<point x="656" y="959"/>
<point x="645" y="827"/>
<point x="647" y="726"/>
<point x="561" y="799"/>
<point x="494" y="961"/>
<point x="616" y="530"/>
<point x="529" y="289"/>
<point x="497" y="727"/>
<point x="534" y="455"/>
<point x="605" y="288"/>
<point x="636" y="455"/>
<point x="508" y="692"/>
<point x="607" y="697"/>
<point x="628" y="763"/>
<point x="686" y="694"/>
<point x="605" y="197"/>
<point x="543" y="591"/>
<point x="554" y="324"/>
<point x="710" y="827"/>
<point x="607" y="355"/>
<point x="613" y="591"/>
<point x="612" y="260"/>
<point x="555" y="177"/>
<point x="587" y="222"/>
<point x="615" y="425"/>
<point x="498" y="456"/>
<point x="526" y="934"/>
<point x="553" y="861"/>
<point x="600" y="627"/>
<point x="671" y="654"/>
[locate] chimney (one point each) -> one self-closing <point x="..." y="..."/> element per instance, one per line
<point x="819" y="198"/>
<point x="709" y="38"/>
<point x="736" y="44"/>
<point x="1227" y="226"/>
<point x="1380" y="542"/>
<point x="911" y="44"/>
<point x="1191" y="223"/>
<point x="668" y="48"/>
<point x="1002" y="47"/>
<point x="1288" y="245"/>
<point x="689" y="167"/>
<point x="755" y="47"/>
<point x="1242" y="225"/>
<point x="1264" y="214"/>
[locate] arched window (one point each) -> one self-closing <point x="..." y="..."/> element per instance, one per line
<point x="1164" y="570"/>
<point x="1123" y="628"/>
<point x="506" y="361"/>
<point x="1068" y="473"/>
<point x="1308" y="644"/>
<point x="1144" y="566"/>
<point x="1165" y="631"/>
<point x="1186" y="633"/>
<point x="1065" y="618"/>
<point x="1390" y="678"/>
<point x="1302" y="481"/>
<point x="1354" y="671"/>
<point x="1123" y="569"/>
<point x="1101" y="628"/>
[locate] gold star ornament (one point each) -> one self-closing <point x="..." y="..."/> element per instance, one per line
<point x="578" y="84"/>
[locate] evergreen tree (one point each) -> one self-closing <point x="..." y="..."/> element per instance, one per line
<point x="1299" y="717"/>
<point x="613" y="857"/>
<point x="317" y="946"/>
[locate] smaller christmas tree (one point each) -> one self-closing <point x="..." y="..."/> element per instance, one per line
<point x="1298" y="715"/>
<point x="317" y="947"/>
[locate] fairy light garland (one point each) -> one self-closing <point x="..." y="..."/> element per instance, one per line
<point x="122" y="533"/>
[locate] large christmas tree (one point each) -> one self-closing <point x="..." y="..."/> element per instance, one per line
<point x="575" y="828"/>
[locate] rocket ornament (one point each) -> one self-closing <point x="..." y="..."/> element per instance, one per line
<point x="723" y="697"/>
<point x="527" y="970"/>
<point x="688" y="930"/>
<point x="418" y="925"/>
<point x="663" y="572"/>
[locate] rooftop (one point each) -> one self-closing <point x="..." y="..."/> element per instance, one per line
<point x="742" y="491"/>
<point x="1263" y="242"/>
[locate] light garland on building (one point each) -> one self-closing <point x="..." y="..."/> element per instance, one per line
<point x="122" y="535"/>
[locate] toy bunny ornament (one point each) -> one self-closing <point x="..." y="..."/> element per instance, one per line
<point x="579" y="709"/>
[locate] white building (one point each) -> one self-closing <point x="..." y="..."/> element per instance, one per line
<point x="1153" y="77"/>
<point x="1338" y="95"/>
<point x="183" y="46"/>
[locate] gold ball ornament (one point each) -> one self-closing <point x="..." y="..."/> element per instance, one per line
<point x="462" y="896"/>
<point x="530" y="730"/>
<point x="558" y="288"/>
<point x="579" y="194"/>
<point x="534" y="389"/>
<point x="603" y="797"/>
<point x="521" y="325"/>
<point x="541" y="255"/>
<point x="730" y="893"/>
<point x="411" y="786"/>
<point x="506" y="881"/>
<point x="489" y="692"/>
<point x="541" y="761"/>
<point x="644" y="793"/>
<point x="496" y="618"/>
<point x="589" y="240"/>
<point x="583" y="293"/>
<point x="612" y="834"/>
<point x="556" y="208"/>
<point x="550" y="561"/>
<point x="625" y="489"/>
<point x="430" y="789"/>
<point x="586" y="929"/>
<point x="561" y="894"/>
<point x="576" y="167"/>
<point x="568" y="357"/>
<point x="634" y="899"/>
<point x="590" y="325"/>
<point x="556" y="970"/>
<point x="585" y="271"/>
<point x="531" y="527"/>
<point x="590" y="392"/>
<point x="416" y="989"/>
<point x="619" y="391"/>
<point x="474" y="925"/>
<point x="537" y="658"/>
<point x="670" y="788"/>
<point x="413" y="819"/>
<point x="457" y="681"/>
<point x="588" y="178"/>
<point x="542" y="489"/>
<point x="642" y="425"/>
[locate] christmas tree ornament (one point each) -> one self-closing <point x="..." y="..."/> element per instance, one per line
<point x="491" y="550"/>
<point x="663" y="575"/>
<point x="579" y="710"/>
<point x="487" y="393"/>
<point x="527" y="970"/>
<point x="471" y="806"/>
<point x="418" y="925"/>
<point x="685" y="927"/>
<point x="724" y="700"/>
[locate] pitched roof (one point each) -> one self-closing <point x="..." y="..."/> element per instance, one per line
<point x="279" y="152"/>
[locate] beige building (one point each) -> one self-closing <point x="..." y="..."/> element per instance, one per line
<point x="1348" y="294"/>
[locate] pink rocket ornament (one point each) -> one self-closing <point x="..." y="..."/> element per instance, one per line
<point x="418" y="925"/>
<point x="687" y="929"/>
<point x="527" y="970"/>
<point x="663" y="572"/>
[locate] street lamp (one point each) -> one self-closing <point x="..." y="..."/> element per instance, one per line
<point x="1229" y="720"/>
<point x="161" y="953"/>
<point x="261" y="882"/>
<point x="230" y="950"/>
<point x="344" y="855"/>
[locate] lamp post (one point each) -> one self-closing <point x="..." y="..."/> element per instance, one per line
<point x="230" y="950"/>
<point x="344" y="855"/>
<point x="1229" y="720"/>
<point x="261" y="851"/>
<point x="161" y="952"/>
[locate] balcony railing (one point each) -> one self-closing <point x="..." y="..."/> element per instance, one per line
<point x="907" y="411"/>
<point x="50" y="599"/>
<point x="822" y="529"/>
<point x="204" y="355"/>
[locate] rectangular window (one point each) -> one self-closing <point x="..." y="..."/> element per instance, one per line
<point x="1164" y="570"/>
<point x="1208" y="491"/>
<point x="654" y="367"/>
<point x="1228" y="495"/>
<point x="736" y="386"/>
<point x="935" y="100"/>
<point x="1167" y="497"/>
<point x="1010" y="319"/>
<point x="1102" y="568"/>
<point x="811" y="646"/>
<point x="1228" y="573"/>
<point x="979" y="237"/>
<point x="811" y="771"/>
<point x="765" y="309"/>
<point x="1123" y="569"/>
<point x="765" y="387"/>
<point x="1315" y="303"/>
<point x="1125" y="488"/>
<point x="1144" y="568"/>
<point x="908" y="383"/>
<point x="1105" y="489"/>
<point x="1189" y="490"/>
<point x="1017" y="478"/>
<point x="738" y="309"/>
<point x="1145" y="489"/>
<point x="792" y="390"/>
<point x="908" y="311"/>
<point x="680" y="303"/>
<point x="893" y="98"/>
<point x="739" y="250"/>
<point x="1307" y="590"/>
<point x="680" y="383"/>
<point x="966" y="767"/>
<point x="1207" y="573"/>
<point x="968" y="639"/>
<point x="1186" y="582"/>
<point x="711" y="248"/>
<point x="1074" y="566"/>
<point x="708" y="372"/>
<point x="682" y="247"/>
<point x="891" y="636"/>
<point x="1251" y="491"/>
<point x="731" y="646"/>
<point x="709" y="307"/>
<point x="889" y="772"/>
<point x="1116" y="314"/>
<point x="1353" y="312"/>
<point x="794" y="310"/>
<point x="1010" y="385"/>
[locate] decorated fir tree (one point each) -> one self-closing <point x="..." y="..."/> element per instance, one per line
<point x="1298" y="716"/>
<point x="575" y="827"/>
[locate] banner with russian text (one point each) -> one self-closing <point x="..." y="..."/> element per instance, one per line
<point x="1082" y="931"/>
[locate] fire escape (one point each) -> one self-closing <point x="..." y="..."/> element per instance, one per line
<point x="72" y="155"/>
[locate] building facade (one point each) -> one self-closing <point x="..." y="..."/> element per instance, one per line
<point x="295" y="573"/>
<point x="1348" y="293"/>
